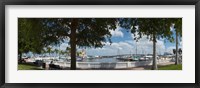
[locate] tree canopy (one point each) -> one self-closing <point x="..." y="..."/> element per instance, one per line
<point x="29" y="35"/>
<point x="37" y="33"/>
<point x="34" y="34"/>
<point x="85" y="32"/>
<point x="153" y="29"/>
<point x="160" y="27"/>
<point x="90" y="32"/>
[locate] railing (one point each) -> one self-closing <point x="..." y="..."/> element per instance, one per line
<point x="115" y="65"/>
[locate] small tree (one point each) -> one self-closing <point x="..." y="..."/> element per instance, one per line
<point x="49" y="50"/>
<point x="56" y="51"/>
<point x="178" y="29"/>
<point x="68" y="50"/>
<point x="154" y="28"/>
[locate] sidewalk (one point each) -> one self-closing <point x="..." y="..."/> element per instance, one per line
<point x="149" y="66"/>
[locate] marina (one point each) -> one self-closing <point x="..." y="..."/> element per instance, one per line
<point x="55" y="63"/>
<point x="99" y="43"/>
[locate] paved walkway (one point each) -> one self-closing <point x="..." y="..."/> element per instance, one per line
<point x="149" y="67"/>
<point x="133" y="68"/>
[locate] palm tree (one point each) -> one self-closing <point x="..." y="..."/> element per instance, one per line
<point x="68" y="50"/>
<point x="49" y="50"/>
<point x="154" y="28"/>
<point x="57" y="52"/>
<point x="177" y="25"/>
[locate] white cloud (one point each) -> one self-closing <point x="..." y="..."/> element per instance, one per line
<point x="62" y="46"/>
<point x="170" y="49"/>
<point x="113" y="49"/>
<point x="117" y="32"/>
<point x="144" y="46"/>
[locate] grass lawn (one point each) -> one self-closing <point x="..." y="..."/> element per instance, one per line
<point x="170" y="67"/>
<point x="28" y="67"/>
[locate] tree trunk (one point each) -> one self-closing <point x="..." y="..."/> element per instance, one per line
<point x="176" y="57"/>
<point x="154" y="66"/>
<point x="74" y="25"/>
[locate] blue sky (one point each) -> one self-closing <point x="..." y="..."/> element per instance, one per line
<point x="126" y="35"/>
<point x="123" y="43"/>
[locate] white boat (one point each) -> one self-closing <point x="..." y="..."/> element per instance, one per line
<point x="149" y="57"/>
<point x="46" y="58"/>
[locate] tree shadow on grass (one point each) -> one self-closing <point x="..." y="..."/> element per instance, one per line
<point x="28" y="66"/>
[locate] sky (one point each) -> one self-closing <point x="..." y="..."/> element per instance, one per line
<point x="123" y="43"/>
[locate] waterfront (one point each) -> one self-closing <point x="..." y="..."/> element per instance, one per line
<point x="97" y="63"/>
<point x="99" y="43"/>
<point x="103" y="60"/>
